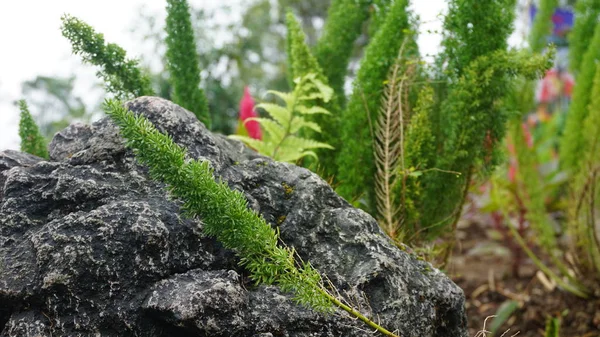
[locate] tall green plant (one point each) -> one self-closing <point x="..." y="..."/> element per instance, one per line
<point x="32" y="141"/>
<point x="584" y="199"/>
<point x="542" y="26"/>
<point x="478" y="123"/>
<point x="572" y="144"/>
<point x="419" y="157"/>
<point x="182" y="61"/>
<point x="225" y="215"/>
<point x="123" y="77"/>
<point x="356" y="163"/>
<point x="470" y="120"/>
<point x="344" y="24"/>
<point x="468" y="28"/>
<point x="303" y="63"/>
<point x="586" y="13"/>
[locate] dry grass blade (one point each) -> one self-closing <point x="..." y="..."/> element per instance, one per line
<point x="389" y="141"/>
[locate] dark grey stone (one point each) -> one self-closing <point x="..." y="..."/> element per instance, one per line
<point x="90" y="246"/>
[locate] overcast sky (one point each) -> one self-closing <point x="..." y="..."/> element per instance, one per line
<point x="31" y="43"/>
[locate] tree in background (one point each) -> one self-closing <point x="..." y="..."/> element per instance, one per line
<point x="55" y="103"/>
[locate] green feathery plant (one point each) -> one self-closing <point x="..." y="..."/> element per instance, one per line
<point x="32" y="141"/>
<point x="542" y="26"/>
<point x="123" y="77"/>
<point x="478" y="124"/>
<point x="281" y="140"/>
<point x="225" y="215"/>
<point x="470" y="119"/>
<point x="182" y="61"/>
<point x="379" y="10"/>
<point x="586" y="12"/>
<point x="356" y="162"/>
<point x="572" y="144"/>
<point x="343" y="26"/>
<point x="303" y="63"/>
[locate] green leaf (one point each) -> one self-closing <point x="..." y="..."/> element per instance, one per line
<point x="279" y="113"/>
<point x="415" y="174"/>
<point x="300" y="123"/>
<point x="504" y="312"/>
<point x="286" y="97"/>
<point x="312" y="110"/>
<point x="552" y="327"/>
<point x="258" y="145"/>
<point x="325" y="90"/>
<point x="273" y="129"/>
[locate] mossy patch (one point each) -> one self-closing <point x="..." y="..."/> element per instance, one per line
<point x="288" y="189"/>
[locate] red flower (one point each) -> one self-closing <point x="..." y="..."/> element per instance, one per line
<point x="247" y="111"/>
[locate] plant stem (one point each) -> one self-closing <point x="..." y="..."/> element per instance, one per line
<point x="577" y="290"/>
<point x="356" y="314"/>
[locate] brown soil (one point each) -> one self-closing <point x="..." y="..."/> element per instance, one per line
<point x="482" y="266"/>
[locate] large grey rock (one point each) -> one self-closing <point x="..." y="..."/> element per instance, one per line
<point x="90" y="246"/>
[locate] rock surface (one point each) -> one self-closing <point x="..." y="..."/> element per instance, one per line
<point x="90" y="246"/>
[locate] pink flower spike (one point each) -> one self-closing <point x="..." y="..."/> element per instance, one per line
<point x="247" y="111"/>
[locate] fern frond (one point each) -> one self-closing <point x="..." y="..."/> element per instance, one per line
<point x="257" y="145"/>
<point x="288" y="98"/>
<point x="389" y="141"/>
<point x="313" y="110"/>
<point x="281" y="114"/>
<point x="272" y="128"/>
<point x="281" y="141"/>
<point x="300" y="123"/>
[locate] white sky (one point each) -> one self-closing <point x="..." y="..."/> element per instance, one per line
<point x="31" y="44"/>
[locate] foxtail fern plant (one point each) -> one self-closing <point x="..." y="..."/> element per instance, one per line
<point x="344" y="23"/>
<point x="471" y="120"/>
<point x="225" y="215"/>
<point x="586" y="12"/>
<point x="123" y="77"/>
<point x="182" y="61"/>
<point x="282" y="140"/>
<point x="300" y="59"/>
<point x="356" y="163"/>
<point x="419" y="149"/>
<point x="572" y="144"/>
<point x="32" y="141"/>
<point x="302" y="63"/>
<point x="478" y="124"/>
<point x="542" y="26"/>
